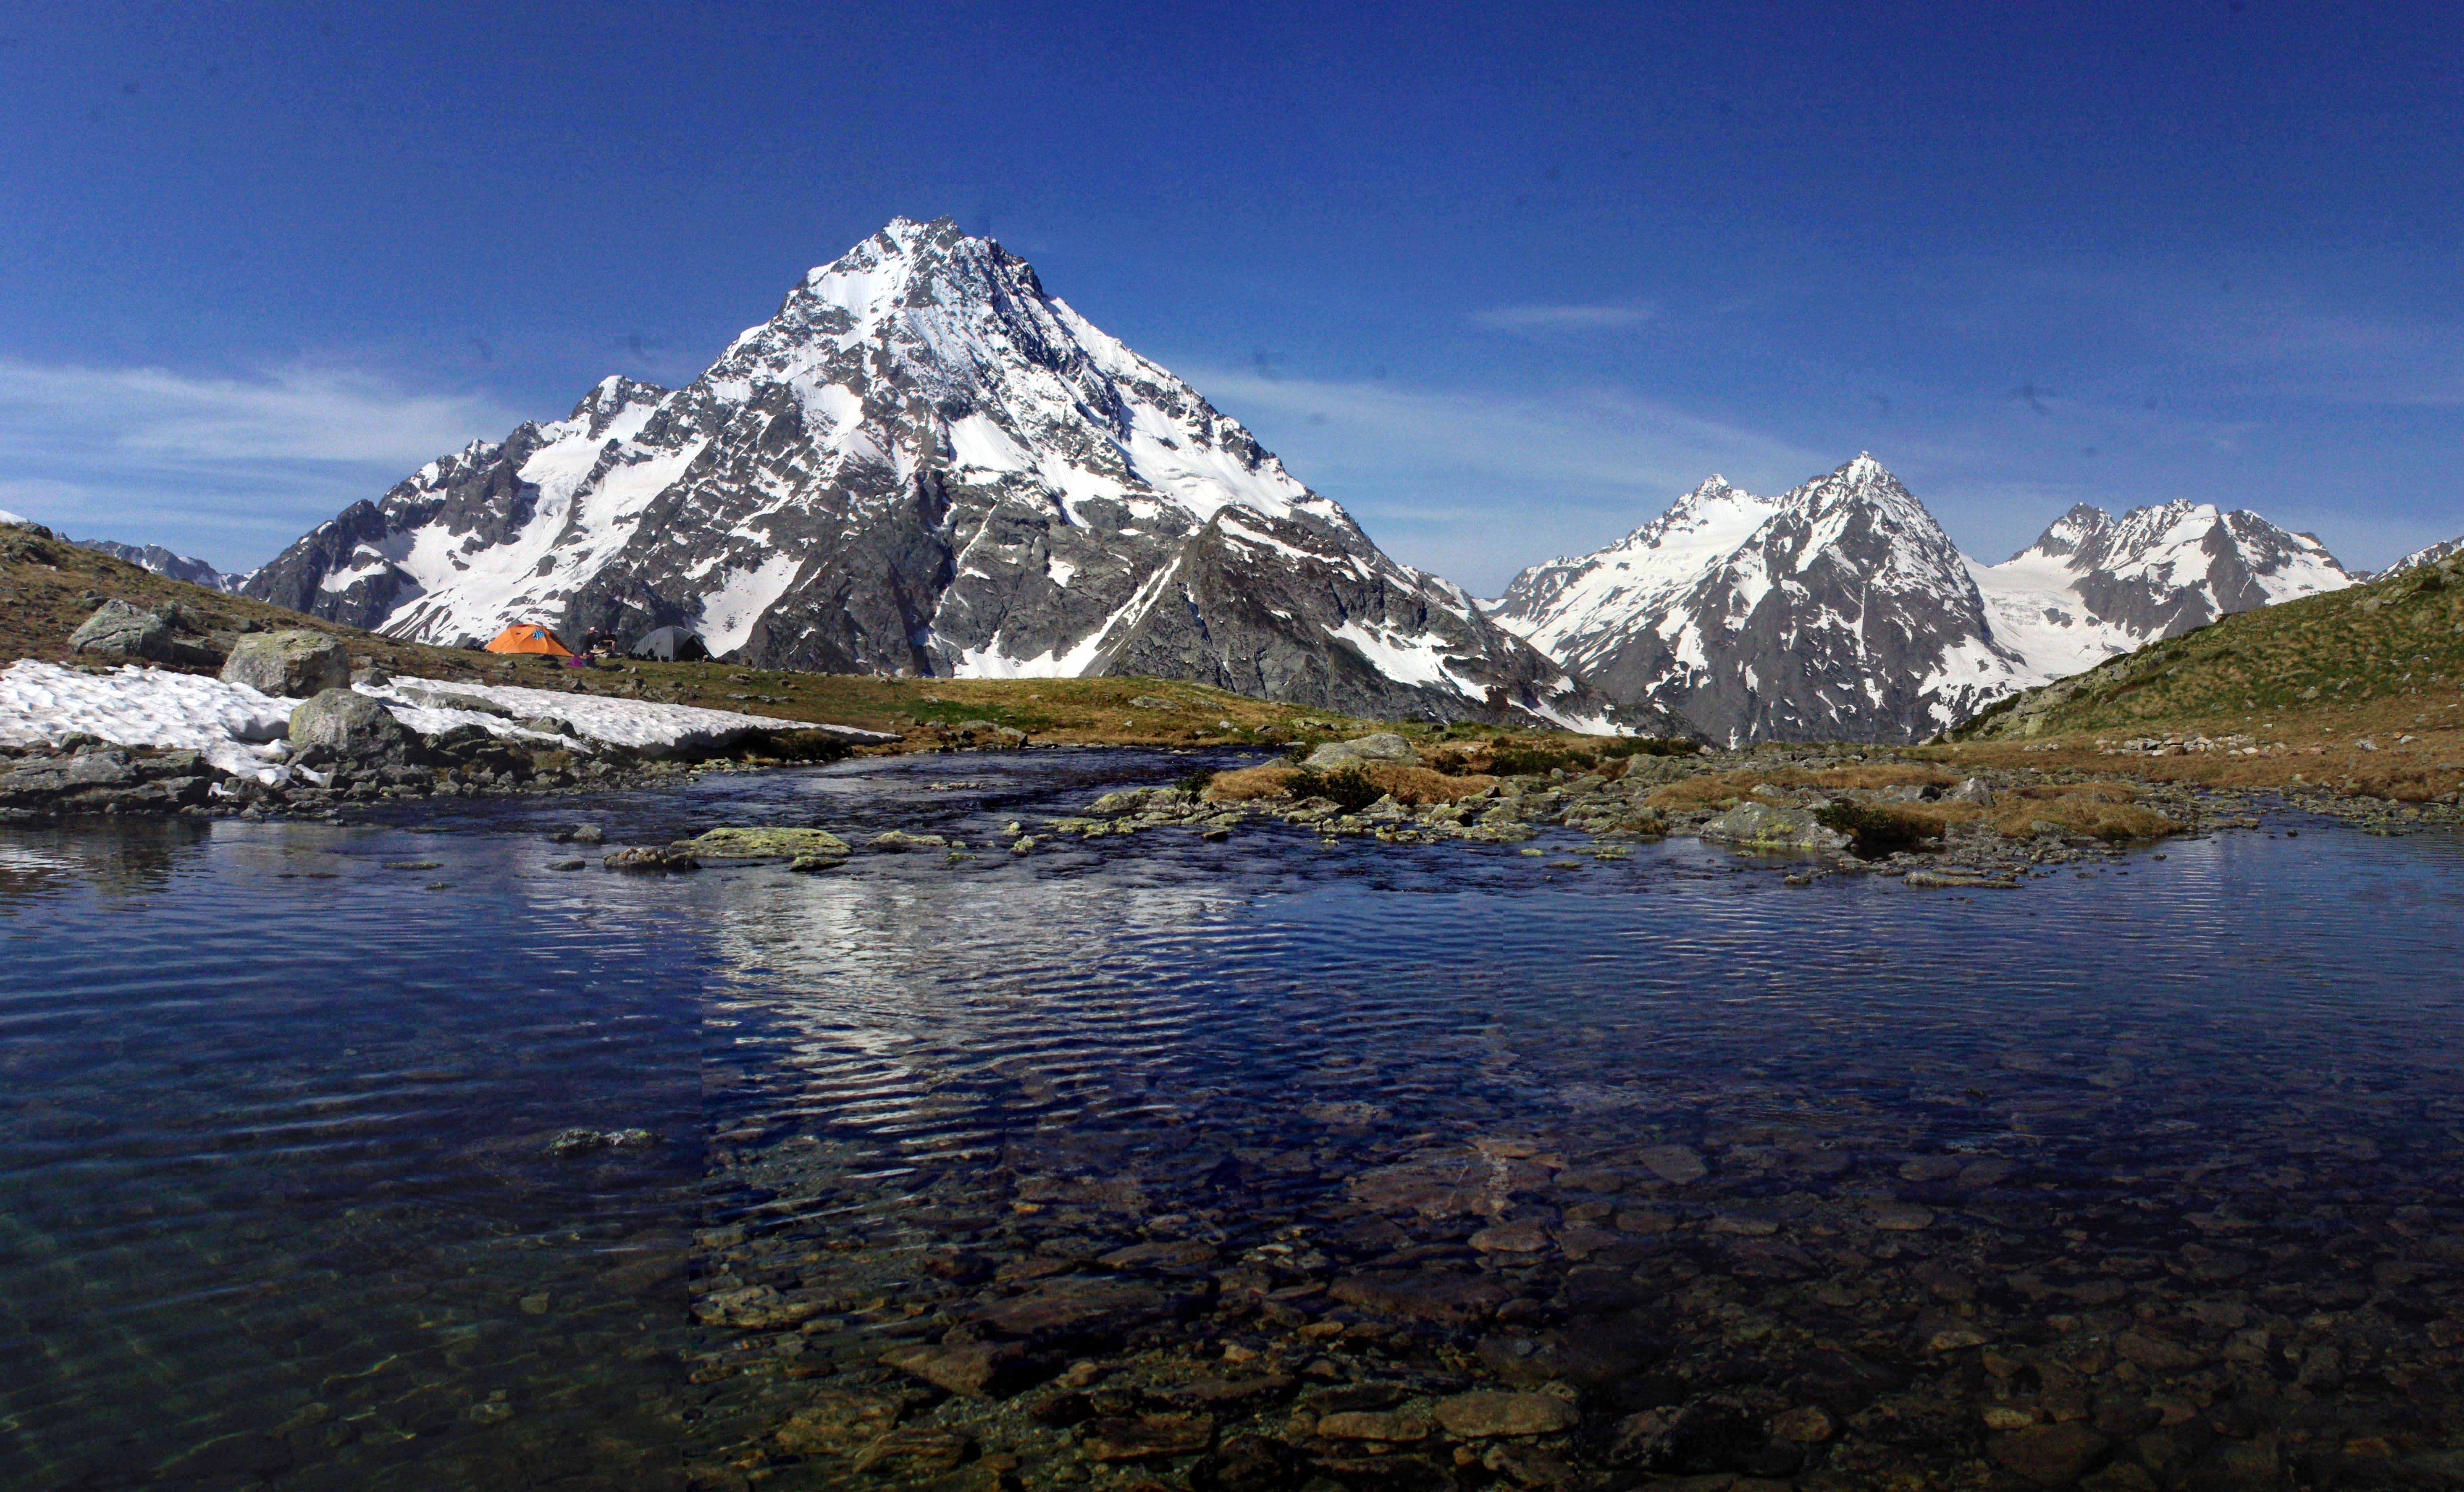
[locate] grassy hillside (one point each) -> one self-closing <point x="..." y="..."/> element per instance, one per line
<point x="2357" y="691"/>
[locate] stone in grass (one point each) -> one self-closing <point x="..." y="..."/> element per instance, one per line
<point x="762" y="843"/>
<point x="122" y="631"/>
<point x="1383" y="746"/>
<point x="1484" y="1416"/>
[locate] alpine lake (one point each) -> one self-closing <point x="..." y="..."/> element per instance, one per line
<point x="385" y="1155"/>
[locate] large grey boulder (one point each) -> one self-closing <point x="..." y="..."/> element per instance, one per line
<point x="122" y="631"/>
<point x="292" y="665"/>
<point x="1383" y="746"/>
<point x="348" y="724"/>
<point x="1752" y="826"/>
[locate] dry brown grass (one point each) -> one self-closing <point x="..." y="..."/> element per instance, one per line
<point x="1414" y="786"/>
<point x="1711" y="790"/>
<point x="1896" y="774"/>
<point x="1272" y="781"/>
<point x="2102" y="810"/>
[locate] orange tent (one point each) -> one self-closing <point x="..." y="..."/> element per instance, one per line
<point x="527" y="639"/>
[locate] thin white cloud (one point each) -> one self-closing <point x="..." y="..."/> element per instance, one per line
<point x="229" y="468"/>
<point x="1564" y="318"/>
<point x="299" y="413"/>
<point x="1476" y="487"/>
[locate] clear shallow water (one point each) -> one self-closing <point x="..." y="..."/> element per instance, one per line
<point x="275" y="1205"/>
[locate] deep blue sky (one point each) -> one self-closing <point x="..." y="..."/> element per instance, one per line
<point x="1502" y="279"/>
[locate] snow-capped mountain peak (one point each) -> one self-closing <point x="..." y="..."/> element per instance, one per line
<point x="2094" y="585"/>
<point x="1821" y="612"/>
<point x="1841" y="610"/>
<point x="921" y="463"/>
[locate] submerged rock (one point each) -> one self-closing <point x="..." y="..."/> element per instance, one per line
<point x="1482" y="1415"/>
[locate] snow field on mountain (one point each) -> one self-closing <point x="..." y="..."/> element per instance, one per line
<point x="2036" y="613"/>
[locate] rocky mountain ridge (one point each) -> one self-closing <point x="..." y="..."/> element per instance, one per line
<point x="164" y="563"/>
<point x="924" y="464"/>
<point x="2429" y="553"/>
<point x="1841" y="610"/>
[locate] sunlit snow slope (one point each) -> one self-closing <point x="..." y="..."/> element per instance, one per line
<point x="923" y="464"/>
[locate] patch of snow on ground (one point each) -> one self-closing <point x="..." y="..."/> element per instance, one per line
<point x="241" y="730"/>
<point x="640" y="724"/>
<point x="231" y="725"/>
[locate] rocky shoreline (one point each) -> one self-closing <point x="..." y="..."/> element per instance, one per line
<point x="1777" y="806"/>
<point x="350" y="755"/>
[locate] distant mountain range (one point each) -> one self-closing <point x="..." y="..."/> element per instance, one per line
<point x="1839" y="610"/>
<point x="925" y="464"/>
<point x="163" y="561"/>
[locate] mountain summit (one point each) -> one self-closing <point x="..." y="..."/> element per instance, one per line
<point x="922" y="464"/>
<point x="1841" y="610"/>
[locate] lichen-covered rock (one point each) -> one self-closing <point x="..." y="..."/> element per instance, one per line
<point x="349" y="724"/>
<point x="651" y="857"/>
<point x="1143" y="800"/>
<point x="1382" y="746"/>
<point x="121" y="631"/>
<point x="1752" y="826"/>
<point x="734" y="842"/>
<point x="293" y="665"/>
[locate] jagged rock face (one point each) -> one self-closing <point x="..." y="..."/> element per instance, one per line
<point x="2093" y="586"/>
<point x="164" y="563"/>
<point x="922" y="464"/>
<point x="1841" y="610"/>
